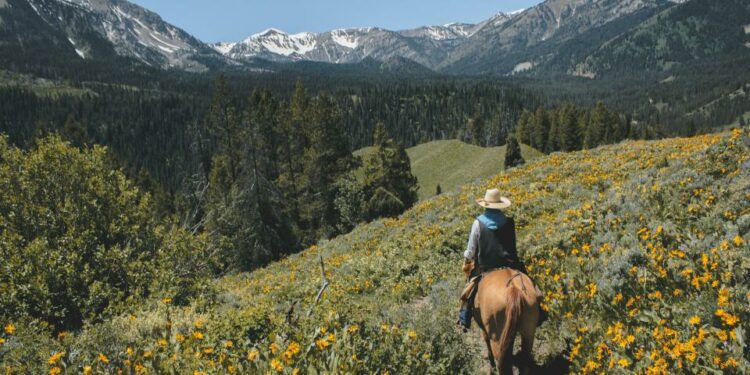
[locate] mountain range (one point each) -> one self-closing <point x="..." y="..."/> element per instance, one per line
<point x="585" y="38"/>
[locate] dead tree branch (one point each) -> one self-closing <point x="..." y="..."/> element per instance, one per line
<point x="322" y="287"/>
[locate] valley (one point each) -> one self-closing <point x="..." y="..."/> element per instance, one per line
<point x="453" y="163"/>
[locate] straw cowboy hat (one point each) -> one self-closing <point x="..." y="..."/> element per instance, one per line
<point x="493" y="199"/>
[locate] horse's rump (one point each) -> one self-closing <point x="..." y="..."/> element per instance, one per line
<point x="506" y="303"/>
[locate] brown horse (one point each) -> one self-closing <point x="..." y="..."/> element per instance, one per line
<point x="506" y="304"/>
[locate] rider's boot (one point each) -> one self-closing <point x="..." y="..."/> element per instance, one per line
<point x="464" y="317"/>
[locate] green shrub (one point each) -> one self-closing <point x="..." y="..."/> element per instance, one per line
<point x="78" y="240"/>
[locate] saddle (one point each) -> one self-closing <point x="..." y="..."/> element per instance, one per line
<point x="471" y="286"/>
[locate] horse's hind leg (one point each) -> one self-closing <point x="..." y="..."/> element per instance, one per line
<point x="525" y="357"/>
<point x="507" y="363"/>
<point x="503" y="356"/>
<point x="490" y="357"/>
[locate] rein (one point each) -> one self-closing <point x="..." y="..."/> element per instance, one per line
<point x="523" y="285"/>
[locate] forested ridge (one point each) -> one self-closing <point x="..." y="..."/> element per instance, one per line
<point x="268" y="172"/>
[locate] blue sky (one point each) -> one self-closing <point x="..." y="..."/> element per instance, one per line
<point x="232" y="20"/>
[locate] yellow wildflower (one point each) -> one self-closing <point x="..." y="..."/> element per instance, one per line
<point x="738" y="241"/>
<point x="161" y="342"/>
<point x="198" y="335"/>
<point x="103" y="358"/>
<point x="722" y="335"/>
<point x="54" y="358"/>
<point x="293" y="348"/>
<point x="55" y="371"/>
<point x="166" y="301"/>
<point x="353" y="329"/>
<point x="87" y="370"/>
<point x="723" y="299"/>
<point x="592" y="289"/>
<point x="731" y="362"/>
<point x="10" y="329"/>
<point x="276" y="365"/>
<point x="229" y="344"/>
<point x="694" y="320"/>
<point x="591" y="366"/>
<point x="273" y="347"/>
<point x="321" y="344"/>
<point x="618" y="297"/>
<point x="253" y="355"/>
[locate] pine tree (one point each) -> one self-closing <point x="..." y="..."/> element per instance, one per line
<point x="513" y="157"/>
<point x="326" y="159"/>
<point x="743" y="123"/>
<point x="475" y="131"/>
<point x="569" y="130"/>
<point x="293" y="141"/>
<point x="523" y="128"/>
<point x="223" y="125"/>
<point x="263" y="117"/>
<point x="594" y="134"/>
<point x="389" y="184"/>
<point x="438" y="190"/>
<point x="553" y="137"/>
<point x="539" y="129"/>
<point x="223" y="167"/>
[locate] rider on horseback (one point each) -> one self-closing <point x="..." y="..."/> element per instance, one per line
<point x="492" y="245"/>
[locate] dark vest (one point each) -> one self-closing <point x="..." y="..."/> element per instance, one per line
<point x="497" y="248"/>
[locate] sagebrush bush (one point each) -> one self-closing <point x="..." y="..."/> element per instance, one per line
<point x="78" y="241"/>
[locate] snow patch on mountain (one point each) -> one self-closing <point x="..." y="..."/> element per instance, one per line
<point x="522" y="67"/>
<point x="274" y="41"/>
<point x="747" y="29"/>
<point x="3" y="3"/>
<point x="344" y="38"/>
<point x="78" y="51"/>
<point x="223" y="48"/>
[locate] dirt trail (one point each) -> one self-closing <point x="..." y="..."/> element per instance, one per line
<point x="546" y="357"/>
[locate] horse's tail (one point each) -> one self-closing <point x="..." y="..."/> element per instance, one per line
<point x="512" y="314"/>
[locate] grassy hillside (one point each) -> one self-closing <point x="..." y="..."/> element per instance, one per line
<point x="453" y="163"/>
<point x="641" y="248"/>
